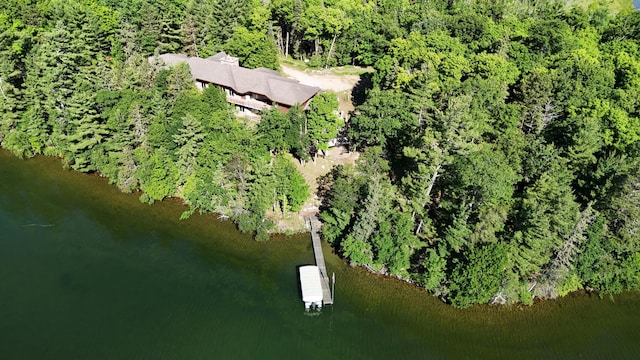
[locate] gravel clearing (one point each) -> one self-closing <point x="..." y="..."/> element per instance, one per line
<point x="322" y="79"/>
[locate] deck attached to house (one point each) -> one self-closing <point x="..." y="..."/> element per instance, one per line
<point x="247" y="103"/>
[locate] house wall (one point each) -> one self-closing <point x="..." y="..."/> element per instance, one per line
<point x="249" y="96"/>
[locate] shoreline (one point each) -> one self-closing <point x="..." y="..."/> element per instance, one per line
<point x="280" y="235"/>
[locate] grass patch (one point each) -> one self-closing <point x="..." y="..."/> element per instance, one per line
<point x="351" y="70"/>
<point x="615" y="6"/>
<point x="297" y="64"/>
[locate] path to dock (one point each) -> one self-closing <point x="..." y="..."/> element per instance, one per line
<point x="327" y="299"/>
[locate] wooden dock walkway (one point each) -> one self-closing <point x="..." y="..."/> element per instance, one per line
<point x="327" y="299"/>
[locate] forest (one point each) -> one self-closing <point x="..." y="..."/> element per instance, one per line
<point x="499" y="141"/>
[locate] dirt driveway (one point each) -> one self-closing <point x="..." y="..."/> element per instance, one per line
<point x="322" y="79"/>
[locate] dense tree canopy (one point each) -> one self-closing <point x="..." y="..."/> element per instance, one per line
<point x="509" y="140"/>
<point x="500" y="142"/>
<point x="75" y="83"/>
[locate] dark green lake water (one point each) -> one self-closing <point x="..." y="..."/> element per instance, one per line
<point x="89" y="273"/>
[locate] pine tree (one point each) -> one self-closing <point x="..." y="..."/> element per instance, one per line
<point x="188" y="141"/>
<point x="14" y="44"/>
<point x="85" y="131"/>
<point x="323" y="121"/>
<point x="547" y="216"/>
<point x="50" y="84"/>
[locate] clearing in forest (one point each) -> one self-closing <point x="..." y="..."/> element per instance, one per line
<point x="341" y="81"/>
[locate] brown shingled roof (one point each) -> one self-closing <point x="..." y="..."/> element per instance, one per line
<point x="261" y="81"/>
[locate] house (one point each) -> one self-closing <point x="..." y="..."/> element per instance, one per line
<point x="250" y="90"/>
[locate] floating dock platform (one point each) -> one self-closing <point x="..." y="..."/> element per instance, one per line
<point x="310" y="283"/>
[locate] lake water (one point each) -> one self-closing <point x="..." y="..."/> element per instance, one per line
<point x="89" y="273"/>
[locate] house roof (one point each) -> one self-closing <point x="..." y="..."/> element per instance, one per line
<point x="261" y="81"/>
<point x="222" y="57"/>
<point x="217" y="57"/>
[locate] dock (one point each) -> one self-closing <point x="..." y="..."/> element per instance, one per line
<point x="327" y="298"/>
